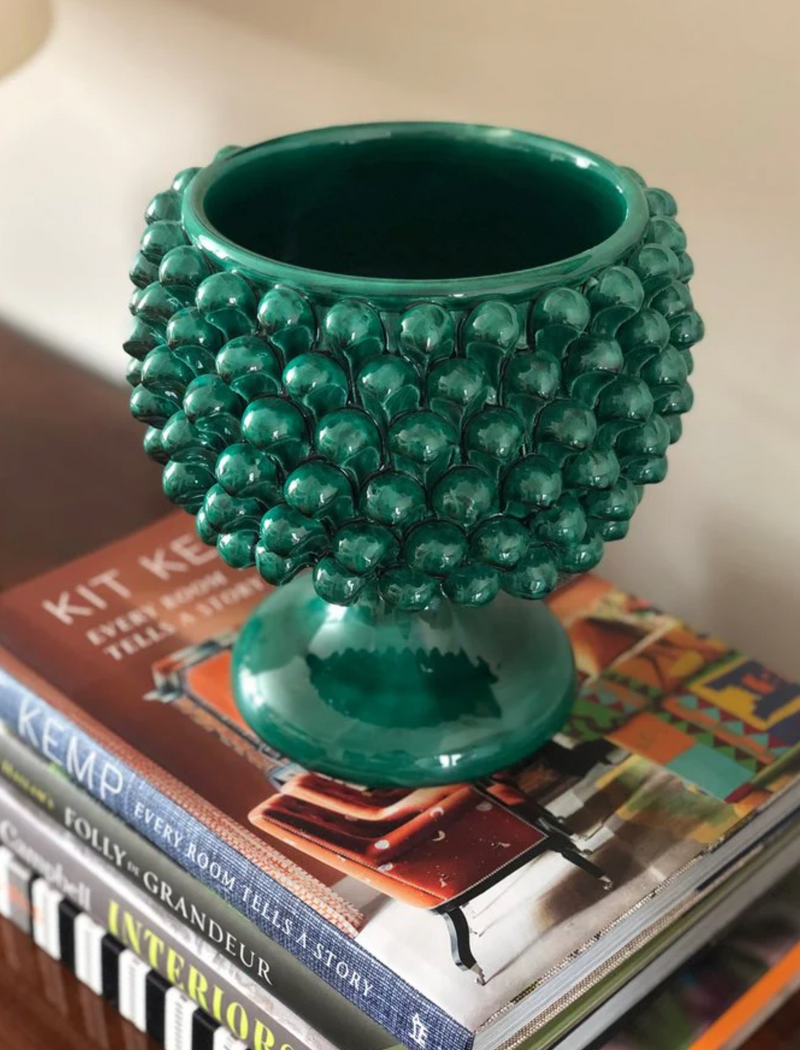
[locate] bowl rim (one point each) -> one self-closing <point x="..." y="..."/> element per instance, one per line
<point x="513" y="284"/>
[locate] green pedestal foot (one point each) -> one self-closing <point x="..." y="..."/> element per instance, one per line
<point x="376" y="696"/>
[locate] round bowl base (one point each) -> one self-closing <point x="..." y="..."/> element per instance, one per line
<point x="377" y="697"/>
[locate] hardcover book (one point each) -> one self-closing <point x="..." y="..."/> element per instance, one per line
<point x="721" y="997"/>
<point x="156" y="939"/>
<point x="113" y="864"/>
<point x="102" y="964"/>
<point x="456" y="916"/>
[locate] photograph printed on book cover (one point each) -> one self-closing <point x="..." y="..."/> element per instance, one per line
<point x="471" y="894"/>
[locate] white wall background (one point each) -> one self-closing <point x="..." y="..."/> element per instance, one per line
<point x="702" y="96"/>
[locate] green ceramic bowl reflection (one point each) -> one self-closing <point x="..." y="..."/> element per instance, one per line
<point x="419" y="374"/>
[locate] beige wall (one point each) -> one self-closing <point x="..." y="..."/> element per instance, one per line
<point x="701" y="95"/>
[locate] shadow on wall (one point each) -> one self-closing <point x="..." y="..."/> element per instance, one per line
<point x="501" y="60"/>
<point x="24" y="27"/>
<point x="751" y="593"/>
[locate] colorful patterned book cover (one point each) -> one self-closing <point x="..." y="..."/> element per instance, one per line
<point x="455" y="916"/>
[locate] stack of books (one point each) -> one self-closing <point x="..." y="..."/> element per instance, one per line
<point x="223" y="897"/>
<point x="718" y="1000"/>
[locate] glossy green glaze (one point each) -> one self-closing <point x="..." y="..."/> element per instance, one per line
<point x="378" y="696"/>
<point x="430" y="363"/>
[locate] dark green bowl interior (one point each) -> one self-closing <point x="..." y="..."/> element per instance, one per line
<point x="415" y="205"/>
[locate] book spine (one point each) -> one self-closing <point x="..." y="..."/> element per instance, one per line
<point x="154" y="874"/>
<point x="103" y="964"/>
<point x="338" y="959"/>
<point x="150" y="937"/>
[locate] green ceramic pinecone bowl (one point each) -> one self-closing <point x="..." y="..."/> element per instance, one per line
<point x="413" y="440"/>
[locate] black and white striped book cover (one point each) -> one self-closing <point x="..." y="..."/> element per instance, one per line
<point x="104" y="965"/>
<point x="304" y="994"/>
<point x="151" y="935"/>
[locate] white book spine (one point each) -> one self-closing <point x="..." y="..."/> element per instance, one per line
<point x="5" y="885"/>
<point x="185" y="1012"/>
<point x="132" y="977"/>
<point x="178" y="1012"/>
<point x="45" y="901"/>
<point x="88" y="952"/>
<point x="40" y="893"/>
<point x="54" y="898"/>
<point x="225" y="1040"/>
